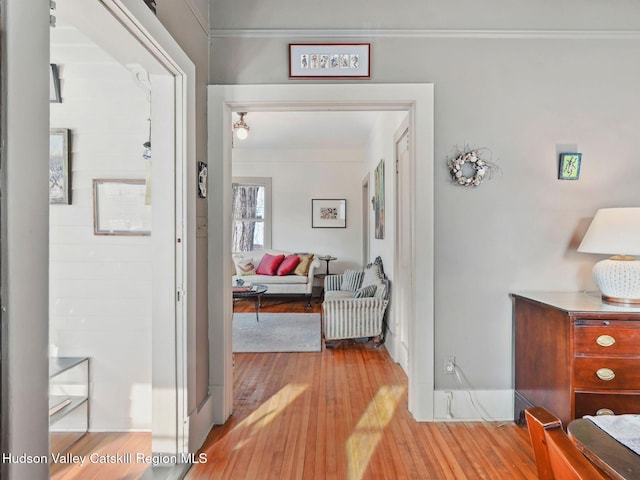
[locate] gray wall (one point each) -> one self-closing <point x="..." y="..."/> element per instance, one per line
<point x="522" y="94"/>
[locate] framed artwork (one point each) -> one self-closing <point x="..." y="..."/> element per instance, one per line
<point x="54" y="84"/>
<point x="203" y="173"/>
<point x="329" y="60"/>
<point x="569" y="167"/>
<point x="378" y="204"/>
<point x="60" y="166"/>
<point x="328" y="213"/>
<point x="119" y="207"/>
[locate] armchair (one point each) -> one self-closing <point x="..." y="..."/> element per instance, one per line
<point x="355" y="303"/>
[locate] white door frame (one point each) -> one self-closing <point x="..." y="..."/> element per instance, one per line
<point x="417" y="99"/>
<point x="173" y="200"/>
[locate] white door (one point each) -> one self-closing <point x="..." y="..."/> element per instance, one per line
<point x="403" y="281"/>
<point x="365" y="221"/>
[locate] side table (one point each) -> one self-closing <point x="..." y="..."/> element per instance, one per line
<point x="327" y="258"/>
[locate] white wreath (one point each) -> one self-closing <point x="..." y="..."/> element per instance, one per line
<point x="481" y="168"/>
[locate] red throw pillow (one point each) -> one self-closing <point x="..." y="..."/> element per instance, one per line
<point x="269" y="264"/>
<point x="288" y="265"/>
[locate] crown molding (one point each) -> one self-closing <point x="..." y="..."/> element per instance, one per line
<point x="427" y="33"/>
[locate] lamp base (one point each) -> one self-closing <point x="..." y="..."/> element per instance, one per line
<point x="625" y="301"/>
<point x="618" y="279"/>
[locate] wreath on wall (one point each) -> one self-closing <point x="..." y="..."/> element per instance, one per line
<point x="468" y="167"/>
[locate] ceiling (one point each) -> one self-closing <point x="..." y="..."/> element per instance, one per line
<point x="311" y="130"/>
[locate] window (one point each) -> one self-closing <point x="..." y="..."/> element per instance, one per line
<point x="251" y="214"/>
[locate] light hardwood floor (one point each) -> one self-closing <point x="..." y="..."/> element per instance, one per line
<point x="336" y="414"/>
<point x="342" y="414"/>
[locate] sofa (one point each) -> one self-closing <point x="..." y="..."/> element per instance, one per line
<point x="284" y="273"/>
<point x="355" y="303"/>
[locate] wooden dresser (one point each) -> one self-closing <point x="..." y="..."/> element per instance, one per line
<point x="575" y="355"/>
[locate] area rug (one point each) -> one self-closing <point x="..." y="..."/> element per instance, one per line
<point x="276" y="332"/>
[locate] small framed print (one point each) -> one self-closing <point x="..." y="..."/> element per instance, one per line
<point x="569" y="166"/>
<point x="60" y="166"/>
<point x="328" y="213"/>
<point x="329" y="60"/>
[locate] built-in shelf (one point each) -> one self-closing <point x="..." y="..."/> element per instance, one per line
<point x="69" y="379"/>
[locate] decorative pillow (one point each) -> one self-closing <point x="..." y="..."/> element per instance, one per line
<point x="368" y="291"/>
<point x="372" y="275"/>
<point x="305" y="263"/>
<point x="269" y="264"/>
<point x="288" y="265"/>
<point x="245" y="267"/>
<point x="351" y="280"/>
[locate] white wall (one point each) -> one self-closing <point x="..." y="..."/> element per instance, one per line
<point x="298" y="176"/>
<point x="100" y="286"/>
<point x="534" y="79"/>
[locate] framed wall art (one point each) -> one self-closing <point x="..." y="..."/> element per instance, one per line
<point x="119" y="207"/>
<point x="328" y="213"/>
<point x="378" y="205"/>
<point x="60" y="166"/>
<point x="569" y="167"/>
<point x="329" y="60"/>
<point x="203" y="174"/>
<point x="54" y="84"/>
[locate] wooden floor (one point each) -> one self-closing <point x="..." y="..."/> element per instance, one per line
<point x="342" y="414"/>
<point x="336" y="414"/>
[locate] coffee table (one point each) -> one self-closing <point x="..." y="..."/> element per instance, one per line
<point x="254" y="291"/>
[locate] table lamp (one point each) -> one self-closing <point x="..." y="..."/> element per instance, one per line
<point x="615" y="231"/>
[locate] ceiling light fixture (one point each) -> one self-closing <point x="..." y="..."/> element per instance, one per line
<point x="240" y="127"/>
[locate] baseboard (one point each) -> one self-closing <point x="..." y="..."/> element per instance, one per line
<point x="473" y="405"/>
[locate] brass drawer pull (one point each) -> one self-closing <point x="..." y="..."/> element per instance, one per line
<point x="605" y="340"/>
<point x="605" y="411"/>
<point x="605" y="374"/>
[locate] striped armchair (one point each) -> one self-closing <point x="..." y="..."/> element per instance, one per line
<point x="355" y="303"/>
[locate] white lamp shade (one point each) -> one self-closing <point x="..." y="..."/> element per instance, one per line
<point x="613" y="231"/>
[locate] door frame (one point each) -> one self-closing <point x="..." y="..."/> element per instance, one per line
<point x="417" y="100"/>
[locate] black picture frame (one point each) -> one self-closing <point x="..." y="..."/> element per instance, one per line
<point x="54" y="84"/>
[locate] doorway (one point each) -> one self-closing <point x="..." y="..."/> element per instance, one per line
<point x="156" y="362"/>
<point x="417" y="100"/>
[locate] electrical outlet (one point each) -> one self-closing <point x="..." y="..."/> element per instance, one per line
<point x="450" y="365"/>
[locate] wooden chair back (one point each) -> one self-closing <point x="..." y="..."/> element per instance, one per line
<point x="557" y="457"/>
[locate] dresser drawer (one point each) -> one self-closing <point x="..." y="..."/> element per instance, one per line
<point x="607" y="373"/>
<point x="599" y="337"/>
<point x="594" y="403"/>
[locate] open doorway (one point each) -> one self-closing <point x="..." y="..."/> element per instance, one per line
<point x="417" y="101"/>
<point x="119" y="263"/>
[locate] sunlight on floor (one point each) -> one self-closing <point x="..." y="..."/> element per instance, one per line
<point x="363" y="441"/>
<point x="269" y="410"/>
